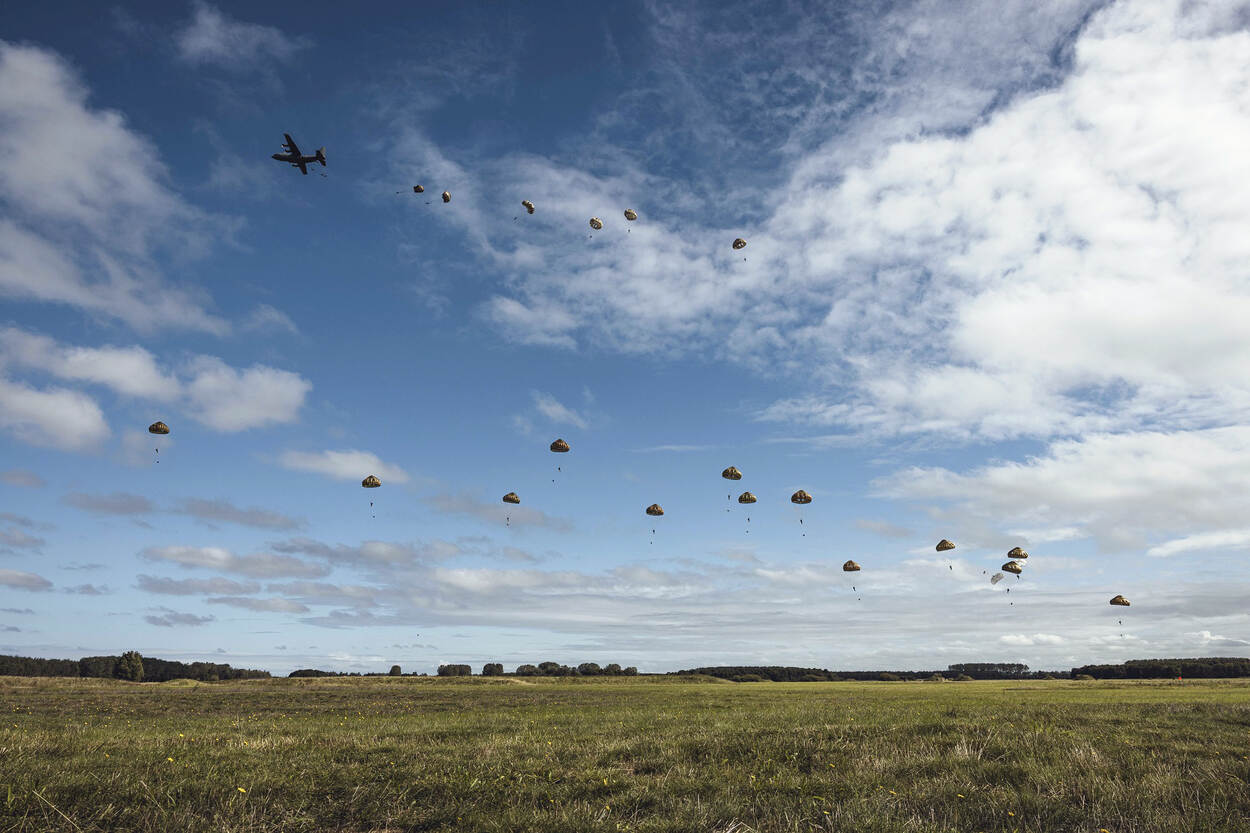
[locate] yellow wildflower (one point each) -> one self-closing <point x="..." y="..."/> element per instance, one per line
<point x="1010" y="813"/>
<point x="240" y="789"/>
<point x="171" y="760"/>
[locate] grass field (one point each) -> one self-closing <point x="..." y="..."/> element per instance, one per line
<point x="643" y="754"/>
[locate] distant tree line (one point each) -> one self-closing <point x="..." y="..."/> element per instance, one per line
<point x="492" y="669"/>
<point x="1153" y="669"/>
<point x="129" y="666"/>
<point x="792" y="674"/>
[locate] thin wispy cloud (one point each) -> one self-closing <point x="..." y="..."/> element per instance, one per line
<point x="213" y="38"/>
<point x="23" y="478"/>
<point x="166" y="618"/>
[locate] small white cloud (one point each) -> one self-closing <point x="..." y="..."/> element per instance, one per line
<point x="262" y="565"/>
<point x="23" y="581"/>
<point x="348" y="464"/>
<point x="212" y="38"/>
<point x="227" y="399"/>
<point x="267" y="319"/>
<point x="166" y="618"/>
<point x="1024" y="640"/>
<point x="557" y="412"/>
<point x="56" y="417"/>
<point x="260" y="605"/>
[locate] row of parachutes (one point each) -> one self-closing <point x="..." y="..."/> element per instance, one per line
<point x="1016" y="556"/>
<point x="595" y="223"/>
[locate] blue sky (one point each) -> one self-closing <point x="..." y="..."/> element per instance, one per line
<point x="994" y="290"/>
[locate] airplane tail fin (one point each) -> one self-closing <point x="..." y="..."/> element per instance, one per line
<point x="321" y="156"/>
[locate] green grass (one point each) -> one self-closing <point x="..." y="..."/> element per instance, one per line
<point x="642" y="754"/>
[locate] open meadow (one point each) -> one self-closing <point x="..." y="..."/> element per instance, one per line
<point x="641" y="754"/>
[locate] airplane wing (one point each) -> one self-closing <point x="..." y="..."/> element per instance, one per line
<point x="303" y="168"/>
<point x="290" y="144"/>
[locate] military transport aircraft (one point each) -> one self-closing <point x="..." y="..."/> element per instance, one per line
<point x="293" y="156"/>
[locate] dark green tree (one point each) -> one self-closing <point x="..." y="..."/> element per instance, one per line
<point x="396" y="671"/>
<point x="130" y="667"/>
<point x="492" y="669"/>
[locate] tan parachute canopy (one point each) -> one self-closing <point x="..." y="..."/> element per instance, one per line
<point x="1016" y="552"/>
<point x="746" y="497"/>
<point x="371" y="482"/>
<point x="739" y="243"/>
<point x="945" y="545"/>
<point x="850" y="567"/>
<point x="654" y="509"/>
<point x="158" y="427"/>
<point x="418" y="189"/>
<point x="560" y="446"/>
<point x="446" y="196"/>
<point x="596" y="223"/>
<point x="731" y="473"/>
<point x="1013" y="567"/>
<point x="1119" y="600"/>
<point x="511" y="497"/>
<point x="631" y="214"/>
<point x="801" y="497"/>
<point x="529" y="206"/>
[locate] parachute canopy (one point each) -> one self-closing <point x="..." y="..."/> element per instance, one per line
<point x="801" y="497"/>
<point x="654" y="509"/>
<point x="746" y="497"/>
<point x="511" y="497"/>
<point x="1016" y="552"/>
<point x="529" y="206"/>
<point x="731" y="473"/>
<point x="945" y="545"/>
<point x="631" y="214"/>
<point x="1014" y="567"/>
<point x="158" y="427"/>
<point x="560" y="446"/>
<point x="1119" y="600"/>
<point x="418" y="189"/>
<point x="446" y="196"/>
<point x="996" y="578"/>
<point x="371" y="482"/>
<point x="739" y="243"/>
<point x="850" y="567"/>
<point x="596" y="223"/>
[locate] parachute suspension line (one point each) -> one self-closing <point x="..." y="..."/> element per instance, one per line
<point x="158" y="428"/>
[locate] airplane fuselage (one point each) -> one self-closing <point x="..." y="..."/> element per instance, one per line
<point x="292" y="155"/>
<point x="295" y="160"/>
